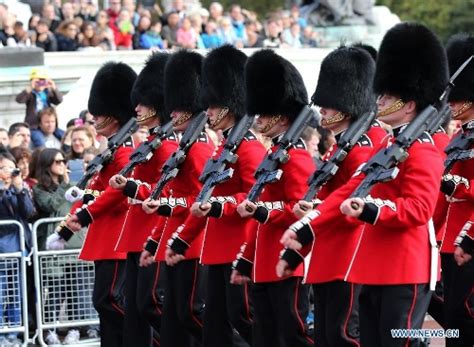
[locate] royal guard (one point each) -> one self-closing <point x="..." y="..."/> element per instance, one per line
<point x="457" y="185"/>
<point x="148" y="98"/>
<point x="465" y="243"/>
<point x="342" y="100"/>
<point x="183" y="309"/>
<point x="104" y="213"/>
<point x="227" y="305"/>
<point x="277" y="94"/>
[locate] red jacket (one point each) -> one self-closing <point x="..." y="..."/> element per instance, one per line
<point x="138" y="224"/>
<point x="106" y="214"/>
<point x="183" y="191"/>
<point x="460" y="202"/>
<point x="275" y="212"/>
<point x="226" y="231"/>
<point x="465" y="239"/>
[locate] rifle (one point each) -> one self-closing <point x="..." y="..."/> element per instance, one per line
<point x="268" y="170"/>
<point x="103" y="158"/>
<point x="458" y="150"/>
<point x="215" y="171"/>
<point x="347" y="141"/>
<point x="171" y="167"/>
<point x="145" y="151"/>
<point x="383" y="166"/>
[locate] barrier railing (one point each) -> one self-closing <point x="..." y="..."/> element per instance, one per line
<point x="64" y="286"/>
<point x="13" y="293"/>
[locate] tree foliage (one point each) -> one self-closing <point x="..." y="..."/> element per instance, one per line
<point x="445" y="17"/>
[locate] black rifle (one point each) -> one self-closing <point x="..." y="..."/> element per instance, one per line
<point x="216" y="171"/>
<point x="383" y="166"/>
<point x="145" y="151"/>
<point x="459" y="149"/>
<point x="268" y="171"/>
<point x="329" y="168"/>
<point x="106" y="156"/>
<point x="171" y="167"/>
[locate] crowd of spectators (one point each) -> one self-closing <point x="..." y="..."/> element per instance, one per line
<point x="82" y="25"/>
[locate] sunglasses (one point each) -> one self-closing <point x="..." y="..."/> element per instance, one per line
<point x="60" y="161"/>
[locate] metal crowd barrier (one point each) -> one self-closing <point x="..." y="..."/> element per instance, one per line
<point x="64" y="286"/>
<point x="13" y="293"/>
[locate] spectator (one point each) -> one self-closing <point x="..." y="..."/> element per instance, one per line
<point x="186" y="36"/>
<point x="41" y="94"/>
<point x="3" y="14"/>
<point x="87" y="10"/>
<point x="272" y="39"/>
<point x="210" y="38"/>
<point x="81" y="139"/>
<point x="196" y="24"/>
<point x="227" y="33"/>
<point x="292" y="37"/>
<point x="8" y="33"/>
<point x="32" y="23"/>
<point x="23" y="157"/>
<point x="88" y="37"/>
<point x="113" y="13"/>
<point x="326" y="141"/>
<point x="216" y="11"/>
<point x="33" y="166"/>
<point x="67" y="37"/>
<point x="308" y="39"/>
<point x="170" y="30"/>
<point x="16" y="204"/>
<point x="237" y="20"/>
<point x="204" y="13"/>
<point x="285" y="20"/>
<point x="67" y="12"/>
<point x="49" y="15"/>
<point x="295" y="16"/>
<point x="178" y="7"/>
<point x="19" y="135"/>
<point x="254" y="39"/>
<point x="144" y="25"/>
<point x="141" y="134"/>
<point x="106" y="34"/>
<point x="123" y="36"/>
<point x="130" y="6"/>
<point x="21" y="35"/>
<point x="44" y="38"/>
<point x="48" y="134"/>
<point x="4" y="137"/>
<point x="311" y="138"/>
<point x="152" y="38"/>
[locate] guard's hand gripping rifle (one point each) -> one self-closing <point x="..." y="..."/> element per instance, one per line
<point x="459" y="149"/>
<point x="268" y="171"/>
<point x="171" y="167"/>
<point x="383" y="166"/>
<point x="145" y="151"/>
<point x="74" y="193"/>
<point x="329" y="168"/>
<point x="215" y="171"/>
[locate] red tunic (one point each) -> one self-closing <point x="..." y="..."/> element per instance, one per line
<point x="226" y="232"/>
<point x="138" y="224"/>
<point x="107" y="212"/>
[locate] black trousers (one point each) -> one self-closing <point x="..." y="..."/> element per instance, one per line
<point x="459" y="301"/>
<point x="143" y="303"/>
<point x="228" y="314"/>
<point x="386" y="307"/>
<point x="108" y="300"/>
<point x="336" y="314"/>
<point x="280" y="312"/>
<point x="183" y="309"/>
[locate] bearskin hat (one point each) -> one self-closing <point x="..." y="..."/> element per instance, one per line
<point x="273" y="85"/>
<point x="223" y="80"/>
<point x="148" y="89"/>
<point x="411" y="64"/>
<point x="345" y="81"/>
<point x="459" y="48"/>
<point x="183" y="82"/>
<point x="368" y="48"/>
<point x="110" y="92"/>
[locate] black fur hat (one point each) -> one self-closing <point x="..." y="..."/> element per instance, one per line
<point x="411" y="64"/>
<point x="223" y="80"/>
<point x="368" y="48"/>
<point x="183" y="82"/>
<point x="273" y="85"/>
<point x="459" y="48"/>
<point x="345" y="81"/>
<point x="110" y="92"/>
<point x="148" y="89"/>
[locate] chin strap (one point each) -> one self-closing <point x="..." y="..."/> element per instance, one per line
<point x="150" y="114"/>
<point x="338" y="117"/>
<point x="466" y="106"/>
<point x="271" y="123"/>
<point x="107" y="121"/>
<point x="223" y="112"/>
<point x="181" y="119"/>
<point x="397" y="105"/>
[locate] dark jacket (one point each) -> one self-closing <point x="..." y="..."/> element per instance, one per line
<point x="29" y="98"/>
<point x="17" y="206"/>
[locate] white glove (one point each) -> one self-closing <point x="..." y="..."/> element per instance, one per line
<point x="74" y="194"/>
<point x="54" y="242"/>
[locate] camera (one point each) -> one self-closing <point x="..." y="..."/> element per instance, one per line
<point x="41" y="83"/>
<point x="16" y="172"/>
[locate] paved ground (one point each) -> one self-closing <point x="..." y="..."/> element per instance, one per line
<point x="430" y="323"/>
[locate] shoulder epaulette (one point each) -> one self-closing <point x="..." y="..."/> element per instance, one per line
<point x="425" y="138"/>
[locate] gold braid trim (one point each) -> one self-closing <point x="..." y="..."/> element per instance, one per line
<point x="107" y="121"/>
<point x="397" y="105"/>
<point x="334" y="119"/>
<point x="150" y="114"/>
<point x="271" y="123"/>
<point x="183" y="118"/>
<point x="466" y="106"/>
<point x="220" y="117"/>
